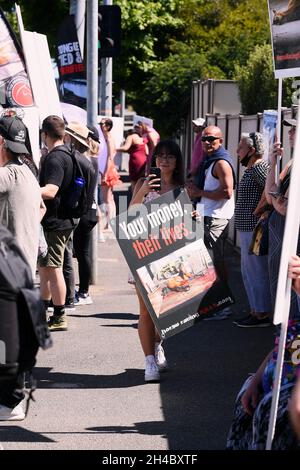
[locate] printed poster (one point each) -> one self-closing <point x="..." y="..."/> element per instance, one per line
<point x="15" y="89"/>
<point x="269" y="131"/>
<point x="72" y="78"/>
<point x="163" y="246"/>
<point x="285" y="31"/>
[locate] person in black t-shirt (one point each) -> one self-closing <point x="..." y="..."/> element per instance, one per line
<point x="55" y="178"/>
<point x="83" y="232"/>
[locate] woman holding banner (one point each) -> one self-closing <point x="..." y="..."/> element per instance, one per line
<point x="166" y="156"/>
<point x="277" y="195"/>
<point x="252" y="410"/>
<point x="249" y="428"/>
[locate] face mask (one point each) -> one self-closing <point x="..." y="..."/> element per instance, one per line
<point x="246" y="159"/>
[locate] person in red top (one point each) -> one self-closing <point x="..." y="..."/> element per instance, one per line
<point x="152" y="137"/>
<point x="137" y="148"/>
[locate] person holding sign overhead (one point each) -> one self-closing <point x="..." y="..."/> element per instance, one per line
<point x="277" y="195"/>
<point x="253" y="404"/>
<point x="168" y="158"/>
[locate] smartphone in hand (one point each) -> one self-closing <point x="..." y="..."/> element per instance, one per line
<point x="274" y="194"/>
<point x="154" y="170"/>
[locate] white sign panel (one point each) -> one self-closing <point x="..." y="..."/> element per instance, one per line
<point x="285" y="31"/>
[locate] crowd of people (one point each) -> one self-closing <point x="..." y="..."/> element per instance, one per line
<point x="32" y="198"/>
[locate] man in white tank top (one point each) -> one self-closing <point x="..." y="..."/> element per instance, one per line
<point x="215" y="190"/>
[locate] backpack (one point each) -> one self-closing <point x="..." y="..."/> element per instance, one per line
<point x="23" y="325"/>
<point x="73" y="203"/>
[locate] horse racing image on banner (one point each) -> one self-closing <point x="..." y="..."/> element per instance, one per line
<point x="285" y="30"/>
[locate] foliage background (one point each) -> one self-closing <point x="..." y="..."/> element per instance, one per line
<point x="168" y="43"/>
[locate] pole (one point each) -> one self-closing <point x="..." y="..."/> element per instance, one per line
<point x="279" y="107"/>
<point x="106" y="81"/>
<point x="77" y="8"/>
<point x="283" y="294"/>
<point x="122" y="103"/>
<point x="92" y="94"/>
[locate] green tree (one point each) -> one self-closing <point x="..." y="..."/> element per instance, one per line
<point x="169" y="87"/>
<point x="257" y="85"/>
<point x="184" y="40"/>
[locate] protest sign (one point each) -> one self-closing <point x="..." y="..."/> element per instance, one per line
<point x="285" y="31"/>
<point x="269" y="131"/>
<point x="283" y="294"/>
<point x="163" y="246"/>
<point x="15" y="89"/>
<point x="72" y="76"/>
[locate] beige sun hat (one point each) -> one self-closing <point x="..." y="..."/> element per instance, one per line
<point x="78" y="131"/>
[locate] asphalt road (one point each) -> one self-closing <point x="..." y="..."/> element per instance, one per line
<point x="91" y="393"/>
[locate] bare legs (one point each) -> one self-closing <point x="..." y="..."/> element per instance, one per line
<point x="147" y="332"/>
<point x="53" y="285"/>
<point x="109" y="203"/>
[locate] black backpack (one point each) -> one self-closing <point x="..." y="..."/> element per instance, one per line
<point x="73" y="203"/>
<point x="23" y="325"/>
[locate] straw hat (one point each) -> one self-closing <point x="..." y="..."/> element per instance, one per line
<point x="78" y="131"/>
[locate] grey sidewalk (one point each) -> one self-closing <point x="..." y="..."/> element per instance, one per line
<point x="91" y="393"/>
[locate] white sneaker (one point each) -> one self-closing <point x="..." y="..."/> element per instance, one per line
<point x="83" y="299"/>
<point x="151" y="370"/>
<point x="160" y="357"/>
<point x="101" y="238"/>
<point x="12" y="414"/>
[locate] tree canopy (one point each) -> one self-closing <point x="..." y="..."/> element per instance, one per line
<point x="168" y="43"/>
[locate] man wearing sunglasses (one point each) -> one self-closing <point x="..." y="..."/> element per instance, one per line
<point x="213" y="190"/>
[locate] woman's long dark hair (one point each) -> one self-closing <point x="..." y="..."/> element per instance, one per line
<point x="171" y="148"/>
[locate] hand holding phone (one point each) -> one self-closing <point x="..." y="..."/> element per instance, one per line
<point x="155" y="174"/>
<point x="274" y="194"/>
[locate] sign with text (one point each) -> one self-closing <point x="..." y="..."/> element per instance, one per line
<point x="269" y="131"/>
<point x="15" y="89"/>
<point x="285" y="31"/>
<point x="163" y="246"/>
<point x="72" y="76"/>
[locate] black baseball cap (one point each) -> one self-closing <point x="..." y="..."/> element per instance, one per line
<point x="14" y="132"/>
<point x="94" y="133"/>
<point x="290" y="122"/>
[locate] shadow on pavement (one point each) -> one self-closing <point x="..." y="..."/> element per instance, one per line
<point x="17" y="433"/>
<point x="109" y="316"/>
<point x="47" y="379"/>
<point x="152" y="428"/>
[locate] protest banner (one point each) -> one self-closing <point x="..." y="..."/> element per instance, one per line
<point x="284" y="18"/>
<point x="163" y="246"/>
<point x="269" y="131"/>
<point x="72" y="76"/>
<point x="15" y="89"/>
<point x="283" y="294"/>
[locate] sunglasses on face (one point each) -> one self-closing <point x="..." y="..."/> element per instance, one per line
<point x="163" y="156"/>
<point x="209" y="138"/>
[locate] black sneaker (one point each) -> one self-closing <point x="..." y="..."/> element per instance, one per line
<point x="70" y="306"/>
<point x="238" y="320"/>
<point x="253" y="322"/>
<point x="58" y="323"/>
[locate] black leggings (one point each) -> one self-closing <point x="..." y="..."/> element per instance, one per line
<point x="11" y="390"/>
<point x="82" y="247"/>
